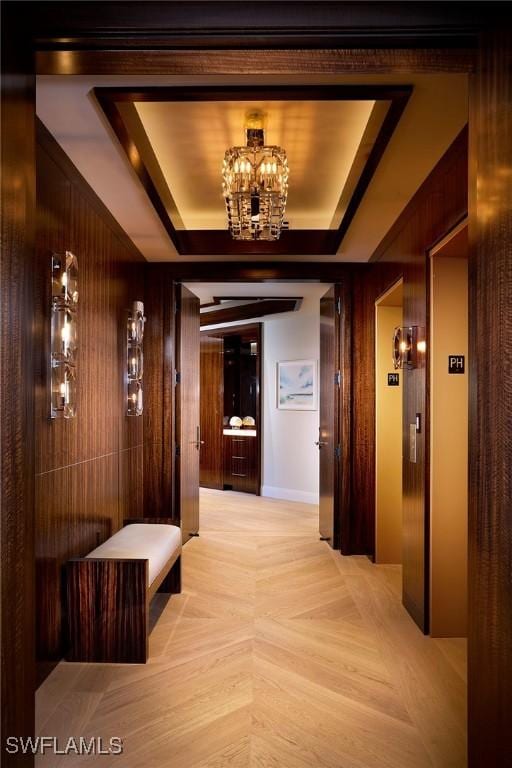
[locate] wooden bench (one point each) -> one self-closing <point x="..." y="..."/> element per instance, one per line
<point x="108" y="592"/>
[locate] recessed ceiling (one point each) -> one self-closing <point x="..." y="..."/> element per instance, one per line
<point x="435" y="114"/>
<point x="321" y="139"/>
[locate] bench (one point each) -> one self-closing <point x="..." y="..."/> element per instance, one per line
<point x="108" y="592"/>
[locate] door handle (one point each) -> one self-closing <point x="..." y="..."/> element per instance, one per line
<point x="320" y="443"/>
<point x="198" y="442"/>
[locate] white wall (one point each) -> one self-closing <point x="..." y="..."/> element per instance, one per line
<point x="290" y="458"/>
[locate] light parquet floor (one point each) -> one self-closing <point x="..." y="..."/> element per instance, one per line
<point x="279" y="653"/>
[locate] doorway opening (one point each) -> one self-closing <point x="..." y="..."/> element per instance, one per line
<point x="253" y="435"/>
<point x="388" y="425"/>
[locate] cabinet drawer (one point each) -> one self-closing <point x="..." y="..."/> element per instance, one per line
<point x="241" y="463"/>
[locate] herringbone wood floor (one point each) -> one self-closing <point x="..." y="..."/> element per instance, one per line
<point x="279" y="653"/>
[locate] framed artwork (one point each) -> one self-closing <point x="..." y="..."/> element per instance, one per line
<point x="297" y="385"/>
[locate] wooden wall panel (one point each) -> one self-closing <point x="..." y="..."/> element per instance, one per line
<point x="159" y="368"/>
<point x="437" y="206"/>
<point x="490" y="439"/>
<point x="89" y="470"/>
<point x="16" y="383"/>
<point x="212" y="410"/>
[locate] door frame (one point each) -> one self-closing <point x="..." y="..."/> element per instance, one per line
<point x="339" y="275"/>
<point x="378" y="302"/>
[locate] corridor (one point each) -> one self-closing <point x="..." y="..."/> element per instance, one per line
<point x="279" y="653"/>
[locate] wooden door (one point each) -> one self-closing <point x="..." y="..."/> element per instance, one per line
<point x="329" y="437"/>
<point x="212" y="411"/>
<point x="188" y="438"/>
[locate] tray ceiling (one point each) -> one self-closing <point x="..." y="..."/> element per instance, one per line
<point x="435" y="114"/>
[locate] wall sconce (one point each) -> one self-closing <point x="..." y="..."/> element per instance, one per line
<point x="134" y="359"/>
<point x="63" y="334"/>
<point x="409" y="346"/>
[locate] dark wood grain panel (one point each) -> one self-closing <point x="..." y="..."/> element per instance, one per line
<point x="212" y="411"/>
<point x="341" y="60"/>
<point x="267" y="24"/>
<point x="76" y="509"/>
<point x="107" y="610"/>
<point x="16" y="384"/>
<point x="490" y="439"/>
<point x="159" y="416"/>
<point x="131" y="482"/>
<point x="89" y="470"/>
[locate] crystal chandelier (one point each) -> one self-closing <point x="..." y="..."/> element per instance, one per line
<point x="255" y="186"/>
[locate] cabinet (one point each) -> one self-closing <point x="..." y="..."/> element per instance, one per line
<point x="241" y="466"/>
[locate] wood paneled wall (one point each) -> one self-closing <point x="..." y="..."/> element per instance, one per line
<point x="159" y="387"/>
<point x="438" y="205"/>
<point x="490" y="396"/>
<point x="16" y="384"/>
<point x="88" y="470"/>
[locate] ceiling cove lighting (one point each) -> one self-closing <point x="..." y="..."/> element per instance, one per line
<point x="63" y="343"/>
<point x="255" y="186"/>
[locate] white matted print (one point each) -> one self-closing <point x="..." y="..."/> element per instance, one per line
<point x="297" y="385"/>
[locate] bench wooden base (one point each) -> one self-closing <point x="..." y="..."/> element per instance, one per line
<point x="108" y="605"/>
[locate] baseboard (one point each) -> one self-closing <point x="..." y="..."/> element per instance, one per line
<point x="289" y="494"/>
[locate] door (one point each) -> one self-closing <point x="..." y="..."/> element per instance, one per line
<point x="188" y="433"/>
<point x="328" y="437"/>
<point x="212" y="411"/>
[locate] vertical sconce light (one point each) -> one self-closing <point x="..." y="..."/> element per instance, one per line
<point x="135" y="338"/>
<point x="409" y="347"/>
<point x="63" y="335"/>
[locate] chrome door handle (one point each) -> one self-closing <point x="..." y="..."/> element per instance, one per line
<point x="198" y="442"/>
<point x="320" y="443"/>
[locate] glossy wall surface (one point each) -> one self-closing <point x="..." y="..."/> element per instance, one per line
<point x="439" y="204"/>
<point x="88" y="470"/>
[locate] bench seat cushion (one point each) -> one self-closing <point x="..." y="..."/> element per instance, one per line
<point x="146" y="541"/>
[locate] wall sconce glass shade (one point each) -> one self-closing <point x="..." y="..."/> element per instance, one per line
<point x="409" y="346"/>
<point x="135" y="364"/>
<point x="63" y="335"/>
<point x="65" y="278"/>
<point x="136" y="322"/>
<point x="401" y="347"/>
<point x="134" y="359"/>
<point x="63" y="391"/>
<point x="135" y="401"/>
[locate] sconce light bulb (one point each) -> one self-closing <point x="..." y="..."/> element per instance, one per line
<point x="65" y="332"/>
<point x="403" y="346"/>
<point x="64" y="279"/>
<point x="63" y="389"/>
<point x="134" y="398"/>
<point x="422" y="346"/>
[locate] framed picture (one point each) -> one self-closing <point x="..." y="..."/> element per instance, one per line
<point x="297" y="385"/>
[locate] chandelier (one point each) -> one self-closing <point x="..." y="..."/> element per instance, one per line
<point x="255" y="186"/>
